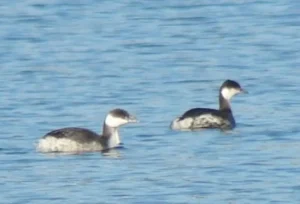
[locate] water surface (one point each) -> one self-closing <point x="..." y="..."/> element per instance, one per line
<point x="68" y="63"/>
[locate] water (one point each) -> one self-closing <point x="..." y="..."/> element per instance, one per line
<point x="67" y="63"/>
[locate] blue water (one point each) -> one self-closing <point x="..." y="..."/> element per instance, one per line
<point x="67" y="63"/>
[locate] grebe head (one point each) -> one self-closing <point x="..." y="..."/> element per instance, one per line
<point x="118" y="117"/>
<point x="230" y="88"/>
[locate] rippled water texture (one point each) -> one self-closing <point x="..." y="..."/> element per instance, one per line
<point x="65" y="63"/>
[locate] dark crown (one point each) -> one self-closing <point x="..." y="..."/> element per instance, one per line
<point x="120" y="113"/>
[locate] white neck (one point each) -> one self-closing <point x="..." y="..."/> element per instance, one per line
<point x="114" y="139"/>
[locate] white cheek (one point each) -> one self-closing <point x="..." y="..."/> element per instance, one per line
<point x="228" y="93"/>
<point x="114" y="121"/>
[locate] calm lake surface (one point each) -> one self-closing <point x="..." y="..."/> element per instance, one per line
<point x="67" y="63"/>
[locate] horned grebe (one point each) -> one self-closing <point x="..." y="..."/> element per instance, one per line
<point x="75" y="139"/>
<point x="198" y="118"/>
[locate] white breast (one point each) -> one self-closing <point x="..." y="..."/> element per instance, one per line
<point x="53" y="144"/>
<point x="178" y="124"/>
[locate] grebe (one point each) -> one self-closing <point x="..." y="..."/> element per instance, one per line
<point x="74" y="139"/>
<point x="200" y="118"/>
